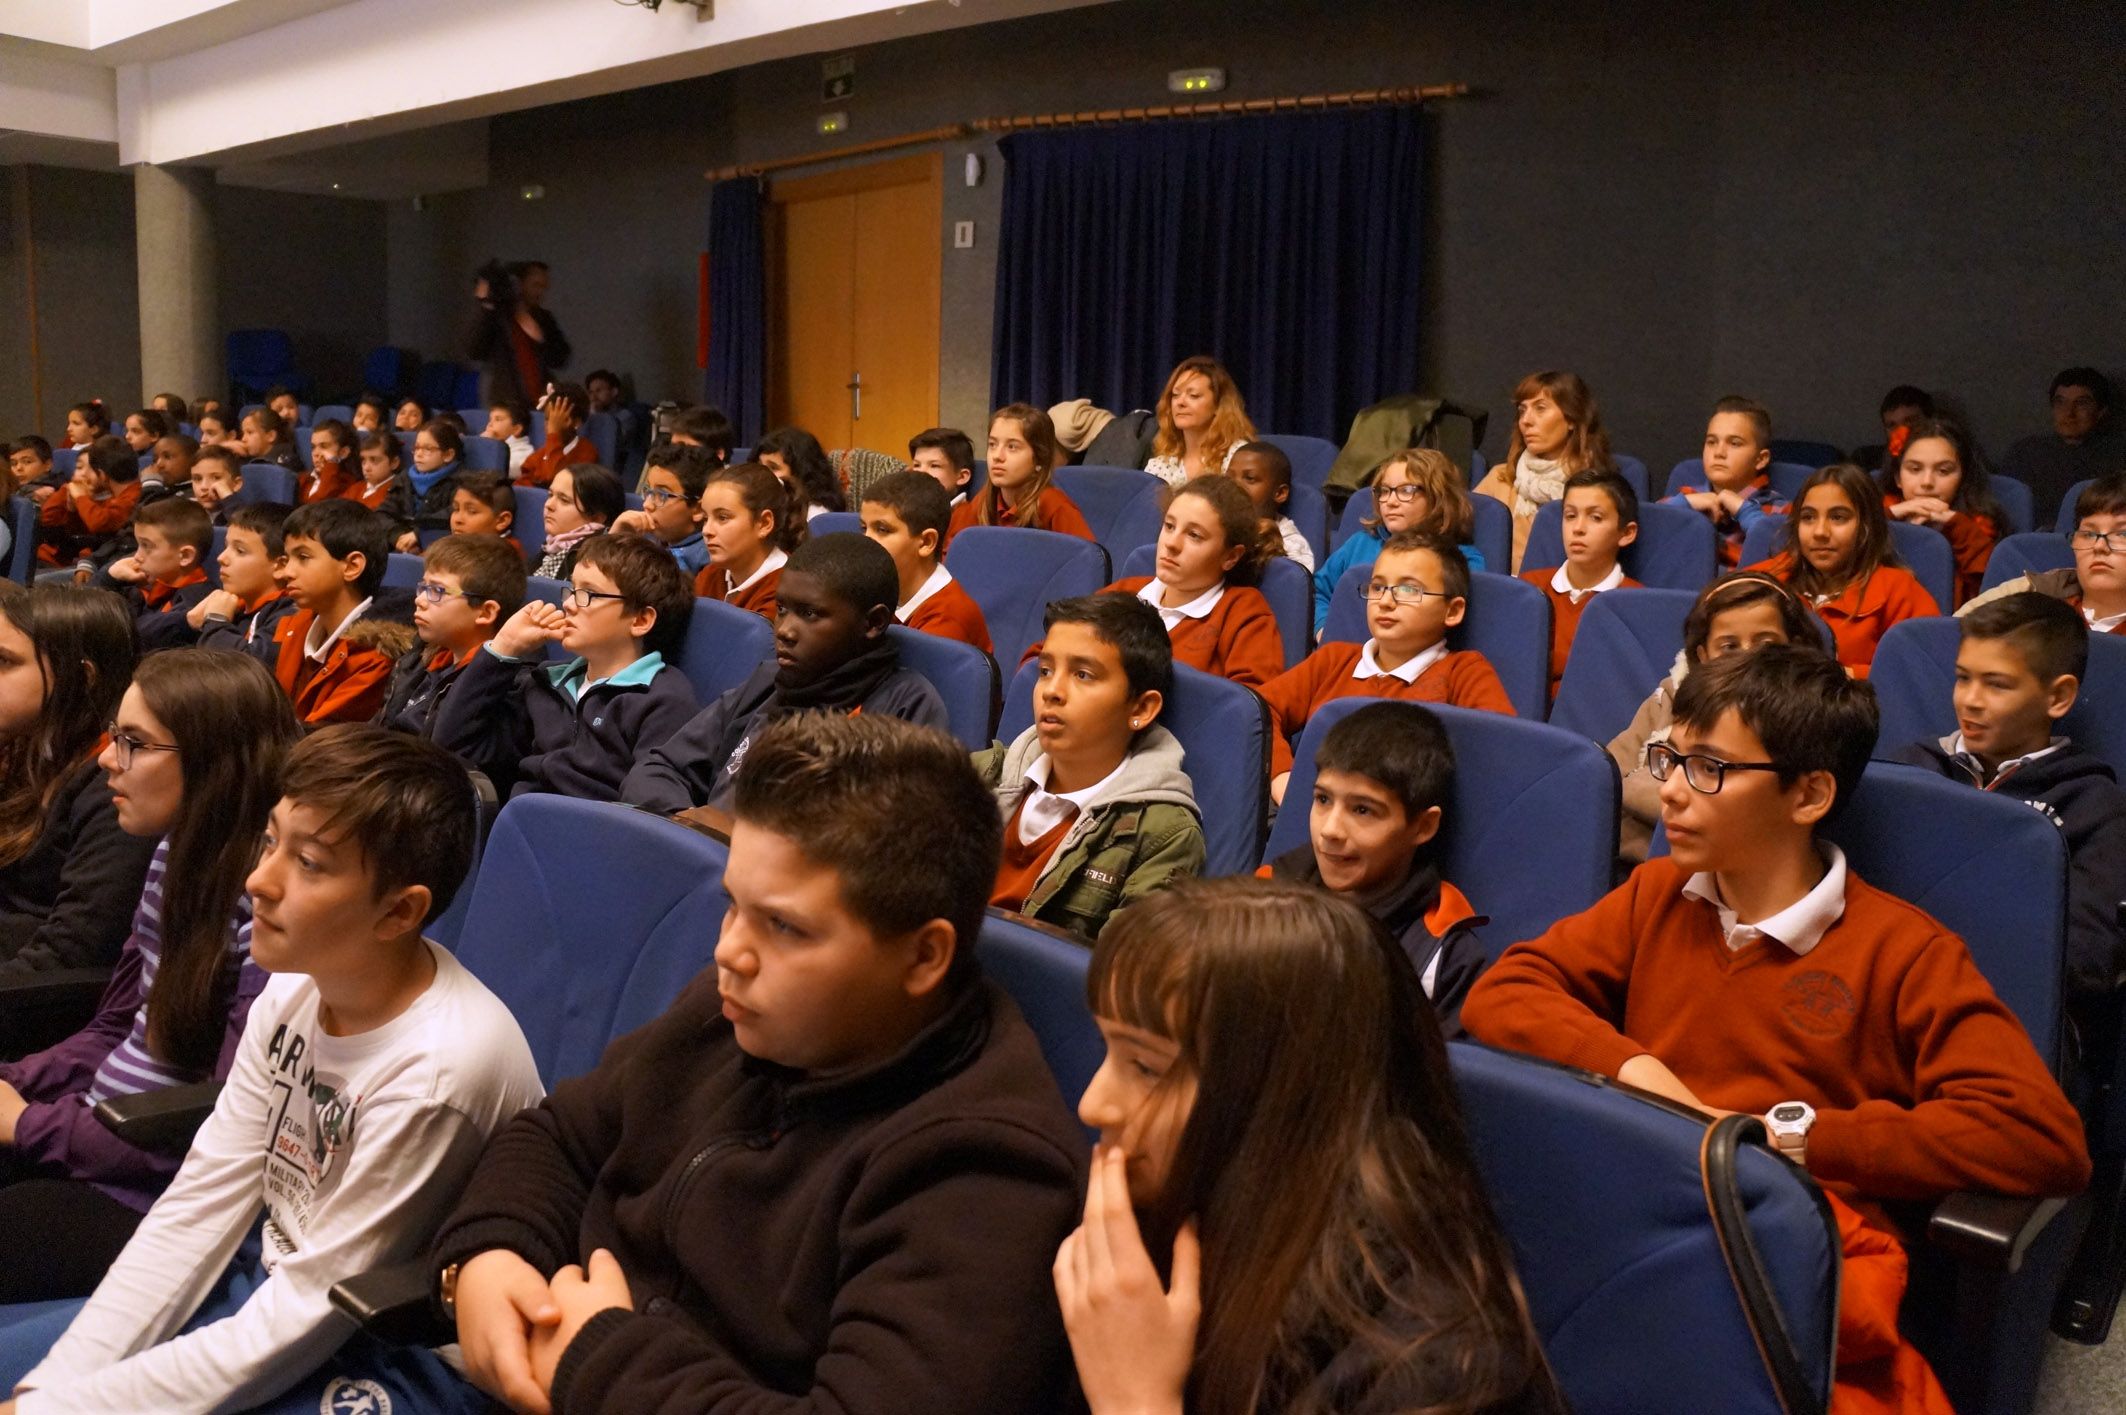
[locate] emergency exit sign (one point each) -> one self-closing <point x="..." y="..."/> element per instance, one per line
<point x="837" y="78"/>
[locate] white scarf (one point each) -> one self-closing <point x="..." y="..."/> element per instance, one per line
<point x="1536" y="480"/>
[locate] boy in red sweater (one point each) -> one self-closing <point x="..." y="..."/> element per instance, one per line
<point x="1752" y="969"/>
<point x="334" y="663"/>
<point x="1601" y="517"/>
<point x="93" y="508"/>
<point x="1419" y="590"/>
<point x="908" y="513"/>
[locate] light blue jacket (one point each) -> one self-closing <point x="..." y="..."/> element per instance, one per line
<point x="1360" y="549"/>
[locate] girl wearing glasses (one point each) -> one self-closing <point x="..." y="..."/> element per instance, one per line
<point x="1735" y="614"/>
<point x="2096" y="584"/>
<point x="193" y="760"/>
<point x="1939" y="481"/>
<point x="69" y="877"/>
<point x="1838" y="556"/>
<point x="1418" y="490"/>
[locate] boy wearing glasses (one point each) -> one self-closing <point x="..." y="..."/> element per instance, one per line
<point x="470" y="585"/>
<point x="1419" y="590"/>
<point x="574" y="727"/>
<point x="2096" y="585"/>
<point x="672" y="482"/>
<point x="1752" y="971"/>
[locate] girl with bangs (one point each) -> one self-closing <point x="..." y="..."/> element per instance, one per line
<point x="1277" y="1122"/>
<point x="1557" y="431"/>
<point x="1203" y="421"/>
<point x="1837" y="555"/>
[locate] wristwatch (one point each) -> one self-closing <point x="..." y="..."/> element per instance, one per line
<point x="1789" y="1122"/>
<point x="447" y="1289"/>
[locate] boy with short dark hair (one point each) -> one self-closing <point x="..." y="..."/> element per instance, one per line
<point x="95" y="506"/>
<point x="485" y="504"/>
<point x="332" y="659"/>
<point x="832" y="654"/>
<point x="29" y="461"/>
<point x="574" y="728"/>
<point x="470" y="586"/>
<point x="507" y="420"/>
<point x="243" y="612"/>
<point x="1419" y="590"/>
<point x="566" y="446"/>
<point x="673" y="478"/>
<point x="908" y="513"/>
<point x="217" y="477"/>
<point x="170" y="474"/>
<point x="1382" y="781"/>
<point x="890" y="1168"/>
<point x="1738" y="491"/>
<point x="165" y="577"/>
<point x="1265" y="474"/>
<point x="946" y="456"/>
<point x="1600" y="517"/>
<point x="2019" y="670"/>
<point x="375" y="1069"/>
<point x="1098" y="811"/>
<point x="704" y="427"/>
<point x="1752" y="969"/>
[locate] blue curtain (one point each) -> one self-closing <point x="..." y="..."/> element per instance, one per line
<point x="1285" y="245"/>
<point x="738" y="307"/>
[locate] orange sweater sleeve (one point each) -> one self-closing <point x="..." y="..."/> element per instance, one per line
<point x="1254" y="649"/>
<point x="1560" y="996"/>
<point x="1473" y="683"/>
<point x="1292" y="696"/>
<point x="1061" y="515"/>
<point x="1972" y="538"/>
<point x="354" y="693"/>
<point x="1987" y="1114"/>
<point x="96" y="518"/>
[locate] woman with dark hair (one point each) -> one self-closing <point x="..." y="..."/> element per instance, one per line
<point x="69" y="876"/>
<point x="581" y="501"/>
<point x="1837" y="555"/>
<point x="1276" y="1114"/>
<point x="1557" y="431"/>
<point x="801" y="464"/>
<point x="193" y="760"/>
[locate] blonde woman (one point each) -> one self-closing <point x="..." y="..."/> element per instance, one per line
<point x="1202" y="422"/>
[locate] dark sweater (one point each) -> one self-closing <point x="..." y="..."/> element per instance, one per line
<point x="510" y="720"/>
<point x="419" y="684"/>
<point x="1447" y="962"/>
<point x="877" y="1242"/>
<point x="68" y="902"/>
<point x="699" y="764"/>
<point x="250" y="633"/>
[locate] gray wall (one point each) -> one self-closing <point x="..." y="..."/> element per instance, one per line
<point x="311" y="265"/>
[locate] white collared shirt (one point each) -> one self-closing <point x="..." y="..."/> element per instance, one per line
<point x="1800" y="926"/>
<point x="1958" y="749"/>
<point x="2105" y="625"/>
<point x="1369" y="666"/>
<point x="939" y="578"/>
<point x="1200" y="607"/>
<point x="1562" y="583"/>
<point x="1042" y="810"/>
<point x="775" y="561"/>
<point x="316" y="652"/>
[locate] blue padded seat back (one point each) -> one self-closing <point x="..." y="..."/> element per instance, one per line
<point x="965" y="678"/>
<point x="1674" y="550"/>
<point x="1626" y="643"/>
<point x="723" y="645"/>
<point x="1013" y="574"/>
<point x="2026" y="553"/>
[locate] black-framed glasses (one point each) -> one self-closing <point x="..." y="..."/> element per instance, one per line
<point x="125" y="744"/>
<point x="580" y="599"/>
<point x="655" y="496"/>
<point x="1404" y="593"/>
<point x="1404" y="491"/>
<point x="430" y="592"/>
<point x="2106" y="541"/>
<point x="1704" y="775"/>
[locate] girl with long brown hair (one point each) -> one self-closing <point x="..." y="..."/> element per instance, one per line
<point x="1276" y="1114"/>
<point x="1557" y="430"/>
<point x="69" y="877"/>
<point x="1203" y="420"/>
<point x="1019" y="492"/>
<point x="1209" y="558"/>
<point x="193" y="757"/>
<point x="1837" y="554"/>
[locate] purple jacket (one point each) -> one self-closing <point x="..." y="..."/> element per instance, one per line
<point x="58" y="1130"/>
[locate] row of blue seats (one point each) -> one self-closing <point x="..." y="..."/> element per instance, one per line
<point x="603" y="429"/>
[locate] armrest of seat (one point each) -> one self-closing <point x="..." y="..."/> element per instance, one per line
<point x="163" y="1121"/>
<point x="38" y="1010"/>
<point x="715" y="824"/>
<point x="1995" y="1230"/>
<point x="395" y="1305"/>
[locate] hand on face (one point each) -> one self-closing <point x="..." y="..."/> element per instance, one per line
<point x="530" y="629"/>
<point x="1133" y="1341"/>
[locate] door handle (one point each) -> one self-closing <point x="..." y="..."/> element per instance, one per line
<point x="856" y="397"/>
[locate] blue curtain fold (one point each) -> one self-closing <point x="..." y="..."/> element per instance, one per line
<point x="1285" y="245"/>
<point x="736" y="379"/>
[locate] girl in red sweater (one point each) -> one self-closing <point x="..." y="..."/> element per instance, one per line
<point x="1938" y="481"/>
<point x="1837" y="555"/>
<point x="1262" y="1049"/>
<point x="1022" y="457"/>
<point x="1210" y="555"/>
<point x="748" y="528"/>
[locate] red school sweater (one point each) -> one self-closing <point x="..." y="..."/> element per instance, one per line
<point x="1923" y="1082"/>
<point x="1861" y="613"/>
<point x="1461" y="679"/>
<point x="951" y="613"/>
<point x="1238" y="639"/>
<point x="1565" y="618"/>
<point x="714" y="582"/>
<point x="1052" y="511"/>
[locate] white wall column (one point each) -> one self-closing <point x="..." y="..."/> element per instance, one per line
<point x="180" y="333"/>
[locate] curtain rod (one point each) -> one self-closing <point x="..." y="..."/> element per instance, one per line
<point x="956" y="132"/>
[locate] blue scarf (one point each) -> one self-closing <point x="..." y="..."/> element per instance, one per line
<point x="424" y="482"/>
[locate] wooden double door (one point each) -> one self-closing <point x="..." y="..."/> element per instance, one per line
<point x="854" y="275"/>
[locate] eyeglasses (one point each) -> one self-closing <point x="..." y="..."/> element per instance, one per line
<point x="2106" y="541"/>
<point x="1406" y="491"/>
<point x="581" y="599"/>
<point x="125" y="744"/>
<point x="1402" y="593"/>
<point x="429" y="592"/>
<point x="655" y="496"/>
<point x="1704" y="775"/>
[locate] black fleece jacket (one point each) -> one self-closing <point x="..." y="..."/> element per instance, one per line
<point x="68" y="902"/>
<point x="871" y="1244"/>
<point x="2082" y="796"/>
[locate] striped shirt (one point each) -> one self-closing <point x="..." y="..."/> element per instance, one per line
<point x="131" y="1068"/>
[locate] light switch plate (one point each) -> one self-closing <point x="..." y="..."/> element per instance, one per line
<point x="963" y="235"/>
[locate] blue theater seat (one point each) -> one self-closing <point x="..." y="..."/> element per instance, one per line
<point x="1013" y="574"/>
<point x="723" y="645"/>
<point x="1674" y="550"/>
<point x="1123" y="506"/>
<point x="2026" y="554"/>
<point x="1626" y="643"/>
<point x="966" y="679"/>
